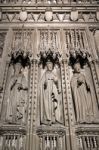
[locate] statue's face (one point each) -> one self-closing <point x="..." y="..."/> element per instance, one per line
<point x="17" y="68"/>
<point x="49" y="66"/>
<point x="77" y="68"/>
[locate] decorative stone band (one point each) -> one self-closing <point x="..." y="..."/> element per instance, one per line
<point x="12" y="129"/>
<point x="88" y="136"/>
<point x="51" y="137"/>
<point x="51" y="130"/>
<point x="54" y="2"/>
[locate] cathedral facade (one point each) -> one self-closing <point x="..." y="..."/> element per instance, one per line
<point x="49" y="75"/>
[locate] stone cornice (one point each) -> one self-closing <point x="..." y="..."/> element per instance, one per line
<point x="58" y="130"/>
<point x="18" y="129"/>
<point x="42" y="8"/>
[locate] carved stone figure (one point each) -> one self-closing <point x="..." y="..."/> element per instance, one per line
<point x="83" y="99"/>
<point x="49" y="96"/>
<point x="17" y="96"/>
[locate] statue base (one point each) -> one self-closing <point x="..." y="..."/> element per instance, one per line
<point x="51" y="137"/>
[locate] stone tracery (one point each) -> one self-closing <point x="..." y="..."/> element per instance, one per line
<point x="74" y="45"/>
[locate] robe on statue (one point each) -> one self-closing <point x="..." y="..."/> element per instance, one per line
<point x="83" y="98"/>
<point x="16" y="98"/>
<point x="49" y="99"/>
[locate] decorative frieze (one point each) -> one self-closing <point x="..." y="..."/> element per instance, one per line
<point x="54" y="2"/>
<point x="52" y="15"/>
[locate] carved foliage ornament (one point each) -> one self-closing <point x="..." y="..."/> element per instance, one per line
<point x="49" y="55"/>
<point x="78" y="55"/>
<point x="18" y="55"/>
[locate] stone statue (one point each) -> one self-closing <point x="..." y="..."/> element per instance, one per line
<point x="17" y="96"/>
<point x="82" y="96"/>
<point x="50" y="93"/>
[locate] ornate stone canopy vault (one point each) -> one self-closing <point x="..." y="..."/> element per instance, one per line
<point x="49" y="75"/>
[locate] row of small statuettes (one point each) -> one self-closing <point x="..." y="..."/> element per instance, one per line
<point x="50" y="97"/>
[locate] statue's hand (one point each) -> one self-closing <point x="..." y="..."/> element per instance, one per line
<point x="80" y="80"/>
<point x="88" y="86"/>
<point x="59" y="92"/>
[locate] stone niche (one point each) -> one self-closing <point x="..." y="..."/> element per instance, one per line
<point x="13" y="123"/>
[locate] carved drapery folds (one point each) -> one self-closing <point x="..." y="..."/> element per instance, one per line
<point x="51" y="131"/>
<point x="51" y="103"/>
<point x="15" y="100"/>
<point x="2" y="41"/>
<point x="50" y="95"/>
<point x="85" y="103"/>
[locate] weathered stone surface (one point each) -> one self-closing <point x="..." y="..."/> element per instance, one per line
<point x="47" y="100"/>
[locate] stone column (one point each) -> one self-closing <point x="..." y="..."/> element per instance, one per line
<point x="68" y="109"/>
<point x="32" y="141"/>
<point x="93" y="69"/>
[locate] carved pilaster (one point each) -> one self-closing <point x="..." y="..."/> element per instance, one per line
<point x="95" y="46"/>
<point x="69" y="108"/>
<point x="31" y="72"/>
<point x="32" y="106"/>
<point x="2" y="102"/>
<point x="94" y="72"/>
<point x="6" y="50"/>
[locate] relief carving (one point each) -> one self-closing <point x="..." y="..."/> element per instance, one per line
<point x="82" y="96"/>
<point x="17" y="95"/>
<point x="50" y="95"/>
<point x="84" y="101"/>
<point x="15" y="101"/>
<point x="2" y="41"/>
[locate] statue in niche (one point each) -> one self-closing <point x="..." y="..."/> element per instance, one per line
<point x="82" y="96"/>
<point x="17" y="95"/>
<point x="50" y="96"/>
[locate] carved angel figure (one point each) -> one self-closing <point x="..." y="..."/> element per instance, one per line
<point x="17" y="96"/>
<point x="50" y="92"/>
